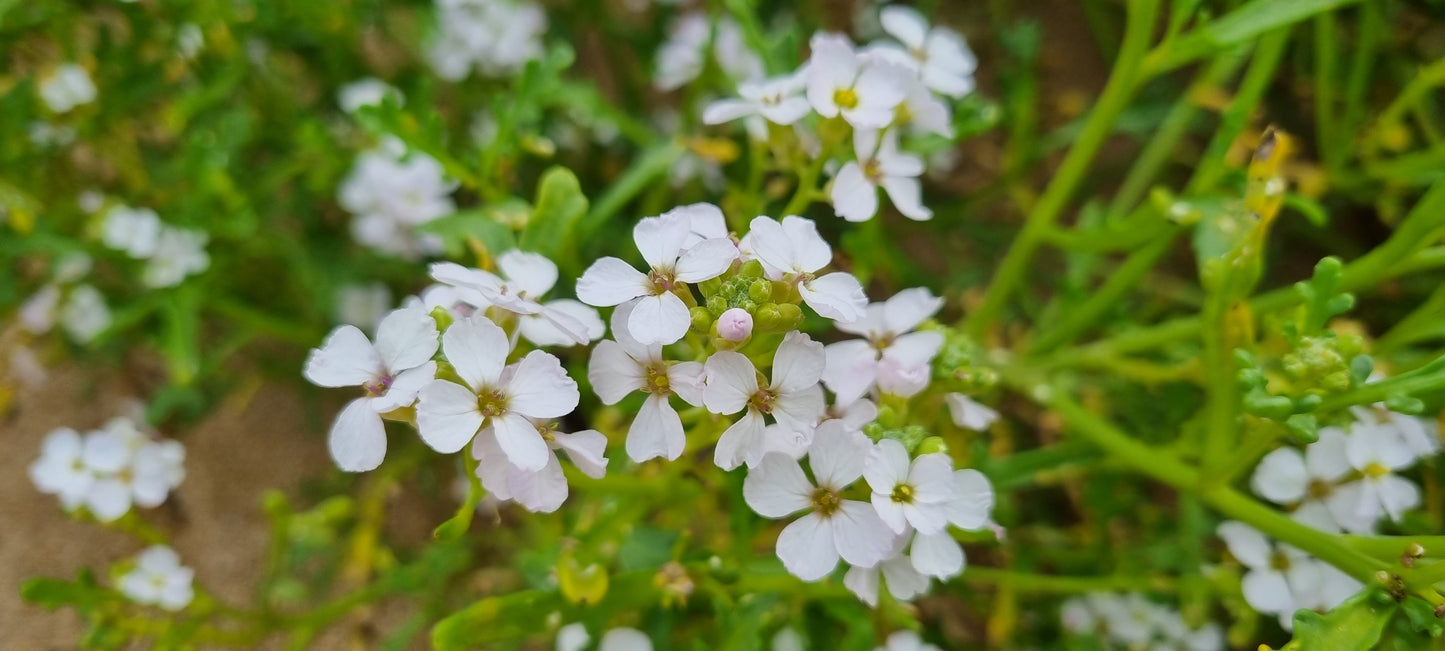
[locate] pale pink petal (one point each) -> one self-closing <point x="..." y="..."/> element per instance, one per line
<point x="586" y="449"/>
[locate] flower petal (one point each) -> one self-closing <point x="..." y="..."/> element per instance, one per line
<point x="850" y="370"/>
<point x="406" y="339"/>
<point x="660" y="319"/>
<point x="973" y="500"/>
<point x="1281" y="477"/>
<point x="659" y="239"/>
<point x="909" y="308"/>
<point x="527" y="272"/>
<point x="687" y="380"/>
<point x="610" y="281"/>
<point x="655" y="432"/>
<point x="706" y="260"/>
<point x="937" y="555"/>
<point x="798" y="364"/>
<point x="404" y="388"/>
<point x="477" y="349"/>
<point x="860" y="535"/>
<point x="1267" y="592"/>
<point x="807" y="549"/>
<point x="447" y="416"/>
<point x="521" y="442"/>
<point x="345" y="359"/>
<point x="777" y="487"/>
<point x="886" y="466"/>
<point x="358" y="437"/>
<point x="837" y="295"/>
<point x="854" y="196"/>
<point x="837" y="455"/>
<point x="1246" y="544"/>
<point x="539" y="388"/>
<point x="613" y="373"/>
<point x="731" y="382"/>
<point x="586" y="449"/>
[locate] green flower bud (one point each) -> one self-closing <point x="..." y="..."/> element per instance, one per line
<point x="751" y="269"/>
<point x="792" y="315"/>
<point x="716" y="305"/>
<point x="710" y="286"/>
<point x="933" y="444"/>
<point x="702" y="319"/>
<point x="761" y="290"/>
<point x="442" y="317"/>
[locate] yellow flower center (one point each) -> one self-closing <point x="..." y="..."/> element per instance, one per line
<point x="1376" y="470"/>
<point x="903" y="494"/>
<point x="826" y="501"/>
<point x="845" y="98"/>
<point x="491" y="402"/>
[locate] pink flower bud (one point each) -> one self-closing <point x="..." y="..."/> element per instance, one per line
<point x="735" y="324"/>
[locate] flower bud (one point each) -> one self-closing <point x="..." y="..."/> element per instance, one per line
<point x="761" y="290"/>
<point x="751" y="269"/>
<point x="701" y="319"/>
<point x="933" y="444"/>
<point x="716" y="304"/>
<point x="735" y="325"/>
<point x="710" y="286"/>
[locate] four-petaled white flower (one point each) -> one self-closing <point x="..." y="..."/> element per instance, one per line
<point x="1282" y="579"/>
<point x="1377" y="454"/>
<point x="880" y="164"/>
<point x="391" y="372"/>
<point x="907" y="494"/>
<point x="834" y="527"/>
<point x="620" y="367"/>
<point x="1310" y="482"/>
<point x="525" y="277"/>
<point x="794" y="251"/>
<point x="864" y="90"/>
<point x="904" y="580"/>
<point x="893" y="357"/>
<point x="778" y="99"/>
<point x="505" y="398"/>
<point x="659" y="315"/>
<point x="938" y="554"/>
<point x="793" y="398"/>
<point x="159" y="579"/>
<point x="940" y="55"/>
<point x="544" y="490"/>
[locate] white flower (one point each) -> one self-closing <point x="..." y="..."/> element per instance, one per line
<point x="778" y="99"/>
<point x="624" y="639"/>
<point x="969" y="414"/>
<point x="905" y="494"/>
<point x="834" y="527"/>
<point x="904" y="581"/>
<point x="880" y="164"/>
<point x="942" y="59"/>
<point x="906" y="641"/>
<point x="61" y="469"/>
<point x="391" y="372"/>
<point x="391" y="192"/>
<point x="37" y="313"/>
<point x="67" y="87"/>
<point x="449" y="415"/>
<point x="864" y="91"/>
<point x="787" y="639"/>
<point x="1377" y="454"/>
<point x="1309" y="481"/>
<point x="572" y="637"/>
<point x="525" y="277"/>
<point x="794" y="251"/>
<point x="367" y="91"/>
<point x="1282" y="579"/>
<point x="620" y="367"/>
<point x="658" y="315"/>
<point x="793" y="398"/>
<point x="922" y="112"/>
<point x="189" y="40"/>
<point x="159" y="579"/>
<point x="705" y="222"/>
<point x="893" y="357"/>
<point x="854" y="415"/>
<point x="1420" y="435"/>
<point x="544" y="490"/>
<point x="363" y="305"/>
<point x="136" y="231"/>
<point x="180" y="252"/>
<point x="85" y="314"/>
<point x="684" y="54"/>
<point x="498" y="37"/>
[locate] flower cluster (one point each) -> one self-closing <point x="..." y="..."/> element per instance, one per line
<point x="463" y="362"/>
<point x="67" y="87"/>
<point x="1281" y="579"/>
<point x="109" y="469"/>
<point x="79" y="309"/>
<point x="683" y="55"/>
<point x="1346" y="480"/>
<point x="497" y="37"/>
<point x="574" y="637"/>
<point x="171" y="253"/>
<point x="158" y="579"/>
<point x="1130" y="621"/>
<point x="390" y="192"/>
<point x="879" y="91"/>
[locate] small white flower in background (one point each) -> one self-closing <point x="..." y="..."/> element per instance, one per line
<point x="108" y="470"/>
<point x="1282" y="579"/>
<point x="159" y="579"/>
<point x="525" y="277"/>
<point x="367" y="91"/>
<point x="180" y="252"/>
<point x="572" y="637"/>
<point x="794" y="251"/>
<point x="135" y="231"/>
<point x="904" y="581"/>
<point x="541" y="491"/>
<point x="1377" y="452"/>
<point x="1420" y="435"/>
<point x="794" y="398"/>
<point x="658" y="316"/>
<point x="969" y="414"/>
<point x="939" y="55"/>
<point x="61" y="469"/>
<point x="391" y="372"/>
<point x="618" y="368"/>
<point x="85" y="314"/>
<point x="189" y="40"/>
<point x="45" y="134"/>
<point x="864" y="90"/>
<point x="893" y="357"/>
<point x="363" y="305"/>
<point x="67" y="87"/>
<point x="779" y="100"/>
<point x="879" y="165"/>
<point x="1310" y="481"/>
<point x="90" y="201"/>
<point x="909" y="494"/>
<point x="682" y="57"/>
<point x="833" y="527"/>
<point x="906" y="641"/>
<point x="505" y="398"/>
<point x="624" y="639"/>
<point x="390" y="192"/>
<point x="787" y="639"/>
<point x="497" y="37"/>
<point x="922" y="112"/>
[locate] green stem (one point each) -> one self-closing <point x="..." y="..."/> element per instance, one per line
<point x="1124" y="79"/>
<point x="1391" y="548"/>
<point x="807" y="187"/>
<point x="1425" y="379"/>
<point x="1044" y="583"/>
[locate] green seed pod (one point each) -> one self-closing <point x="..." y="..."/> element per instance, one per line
<point x="761" y="290"/>
<point x="751" y="269"/>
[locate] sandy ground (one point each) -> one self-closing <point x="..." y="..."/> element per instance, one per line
<point x="215" y="518"/>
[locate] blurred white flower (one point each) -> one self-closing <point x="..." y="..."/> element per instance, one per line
<point x="544" y="490"/>
<point x="906" y="641"/>
<point x="180" y="253"/>
<point x="969" y="414"/>
<point x="939" y="55"/>
<point x="390" y="193"/>
<point x="85" y="314"/>
<point x="496" y="37"/>
<point x="879" y="165"/>
<point x="1282" y="579"/>
<point x="523" y="280"/>
<point x="625" y="639"/>
<point x="779" y="100"/>
<point x="363" y="305"/>
<point x="367" y="91"/>
<point x="159" y="579"/>
<point x="66" y="87"/>
<point x="682" y="57"/>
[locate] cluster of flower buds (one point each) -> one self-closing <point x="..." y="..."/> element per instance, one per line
<point x="464" y="364"/>
<point x="171" y="253"/>
<point x="108" y="470"/>
<point x="1130" y="621"/>
<point x="390" y="192"/>
<point x="879" y="92"/>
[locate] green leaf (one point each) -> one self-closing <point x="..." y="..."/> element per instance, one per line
<point x="1351" y="626"/>
<point x="487" y="226"/>
<point x="54" y="593"/>
<point x="1237" y="27"/>
<point x="560" y="204"/>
